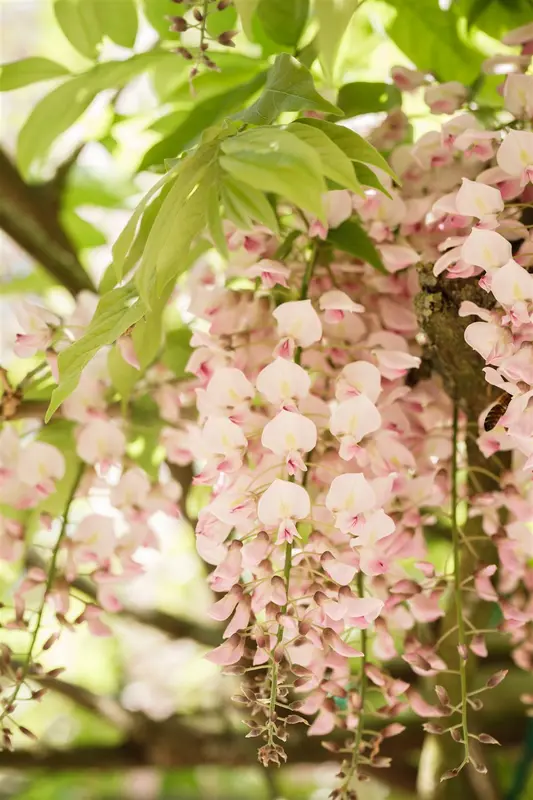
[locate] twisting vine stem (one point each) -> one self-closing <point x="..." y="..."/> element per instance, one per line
<point x="456" y="543"/>
<point x="26" y="666"/>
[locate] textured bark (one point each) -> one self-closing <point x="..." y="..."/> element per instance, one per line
<point x="30" y="216"/>
<point x="461" y="370"/>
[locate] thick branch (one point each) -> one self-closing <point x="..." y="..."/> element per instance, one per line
<point x="30" y="216"/>
<point x="167" y="623"/>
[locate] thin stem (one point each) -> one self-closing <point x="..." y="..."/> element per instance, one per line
<point x="456" y="540"/>
<point x="354" y="763"/>
<point x="288" y="546"/>
<point x="23" y="674"/>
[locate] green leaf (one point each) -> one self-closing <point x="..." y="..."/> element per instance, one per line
<point x="367" y="177"/>
<point x="214" y="225"/>
<point x="115" y="313"/>
<point x="79" y="22"/>
<point x="251" y="203"/>
<point x="274" y="160"/>
<point x="352" y="239"/>
<point x="368" y="98"/>
<point x="182" y="216"/>
<point x="283" y="21"/>
<point x="60" y="433"/>
<point x="177" y="351"/>
<point x="123" y="375"/>
<point x="198" y="119"/>
<point x="429" y="37"/>
<point x="335" y="163"/>
<point x="289" y="87"/>
<point x="246" y="10"/>
<point x="36" y="282"/>
<point x="52" y="116"/>
<point x="85" y="187"/>
<point x="82" y="233"/>
<point x="220" y="21"/>
<point x="355" y="147"/>
<point x="128" y="247"/>
<point x="157" y="11"/>
<point x="118" y="20"/>
<point x="333" y="18"/>
<point x="61" y="108"/>
<point x="495" y="17"/>
<point x="29" y="70"/>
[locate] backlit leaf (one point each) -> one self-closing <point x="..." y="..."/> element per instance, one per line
<point x="27" y="71"/>
<point x="289" y="87"/>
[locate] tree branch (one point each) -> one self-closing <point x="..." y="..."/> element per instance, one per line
<point x="30" y="216"/>
<point x="166" y="623"/>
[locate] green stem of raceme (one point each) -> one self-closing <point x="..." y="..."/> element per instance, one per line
<point x="304" y="290"/>
<point x="352" y="770"/>
<point x="456" y="542"/>
<point x="48" y="587"/>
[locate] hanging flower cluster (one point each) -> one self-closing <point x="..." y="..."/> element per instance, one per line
<point x="329" y="454"/>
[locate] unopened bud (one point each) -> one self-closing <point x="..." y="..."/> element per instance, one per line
<point x="462" y="649"/>
<point x="485" y="738"/>
<point x="451" y="773"/>
<point x="226" y="38"/>
<point x="497" y="678"/>
<point x="443" y="695"/>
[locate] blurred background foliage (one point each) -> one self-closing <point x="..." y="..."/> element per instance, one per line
<point x="88" y="119"/>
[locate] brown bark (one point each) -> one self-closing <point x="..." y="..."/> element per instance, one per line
<point x="30" y="216"/>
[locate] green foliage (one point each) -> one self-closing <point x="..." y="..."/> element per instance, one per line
<point x="27" y="71"/>
<point x="129" y="246"/>
<point x="59" y="433"/>
<point x="495" y="17"/>
<point x="201" y="116"/>
<point x="335" y="163"/>
<point x="289" y="87"/>
<point x="367" y="98"/>
<point x="351" y="238"/>
<point x="115" y="313"/>
<point x="60" y="109"/>
<point x="429" y="36"/>
<point x="86" y="22"/>
<point x="183" y="215"/>
<point x="333" y="18"/>
<point x="353" y="145"/>
<point x="245" y="205"/>
<point x="177" y="351"/>
<point x="283" y="22"/>
<point x="276" y="161"/>
<point x="83" y="233"/>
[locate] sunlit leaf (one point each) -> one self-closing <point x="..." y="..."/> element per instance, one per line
<point x="251" y="202"/>
<point x="276" y="161"/>
<point x="429" y="37"/>
<point x="335" y="163"/>
<point x="289" y="87"/>
<point x="182" y="216"/>
<point x="353" y="145"/>
<point x="118" y="20"/>
<point x="351" y="238"/>
<point x="115" y="313"/>
<point x="246" y="10"/>
<point x="283" y="21"/>
<point x="367" y="98"/>
<point x="200" y="117"/>
<point x="333" y="18"/>
<point x="27" y="71"/>
<point x="79" y="22"/>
